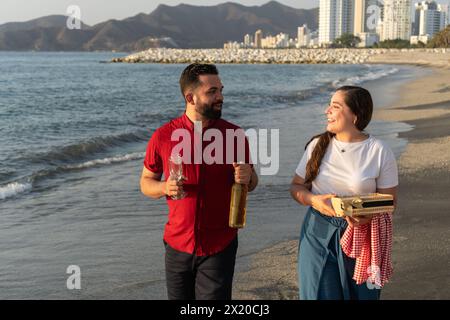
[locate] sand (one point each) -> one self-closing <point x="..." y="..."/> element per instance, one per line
<point x="431" y="58"/>
<point x="421" y="249"/>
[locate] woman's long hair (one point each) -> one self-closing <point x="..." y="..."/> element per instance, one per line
<point x="360" y="103"/>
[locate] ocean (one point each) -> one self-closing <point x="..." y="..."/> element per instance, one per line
<point x="73" y="132"/>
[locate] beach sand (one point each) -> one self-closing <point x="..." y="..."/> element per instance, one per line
<point x="421" y="251"/>
<point x="421" y="248"/>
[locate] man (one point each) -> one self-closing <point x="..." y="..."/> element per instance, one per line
<point x="200" y="246"/>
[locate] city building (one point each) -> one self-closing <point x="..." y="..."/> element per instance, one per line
<point x="269" y="42"/>
<point x="367" y="21"/>
<point x="248" y="41"/>
<point x="258" y="39"/>
<point x="368" y="39"/>
<point x="282" y="40"/>
<point x="232" y="45"/>
<point x="446" y="9"/>
<point x="430" y="18"/>
<point x="396" y="20"/>
<point x="335" y="19"/>
<point x="370" y="20"/>
<point x="360" y="25"/>
<point x="417" y="39"/>
<point x="379" y="29"/>
<point x="314" y="39"/>
<point x="303" y="36"/>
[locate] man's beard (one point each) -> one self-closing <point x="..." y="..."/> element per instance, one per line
<point x="209" y="111"/>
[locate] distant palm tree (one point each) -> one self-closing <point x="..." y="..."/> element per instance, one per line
<point x="441" y="39"/>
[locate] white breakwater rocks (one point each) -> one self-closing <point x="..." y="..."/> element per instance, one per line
<point x="249" y="56"/>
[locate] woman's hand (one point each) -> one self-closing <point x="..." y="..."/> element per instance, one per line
<point x="322" y="203"/>
<point x="358" y="221"/>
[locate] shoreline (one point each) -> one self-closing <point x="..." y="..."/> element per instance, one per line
<point x="421" y="236"/>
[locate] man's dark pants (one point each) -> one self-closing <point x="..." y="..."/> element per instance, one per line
<point x="192" y="277"/>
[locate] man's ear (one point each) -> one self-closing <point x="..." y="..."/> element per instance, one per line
<point x="190" y="98"/>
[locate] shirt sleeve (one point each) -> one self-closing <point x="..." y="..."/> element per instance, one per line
<point x="388" y="177"/>
<point x="152" y="159"/>
<point x="301" y="168"/>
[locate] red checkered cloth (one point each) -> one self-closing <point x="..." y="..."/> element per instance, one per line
<point x="371" y="246"/>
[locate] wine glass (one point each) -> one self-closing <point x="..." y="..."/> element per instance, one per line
<point x="176" y="173"/>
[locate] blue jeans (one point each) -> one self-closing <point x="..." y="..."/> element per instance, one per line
<point x="325" y="272"/>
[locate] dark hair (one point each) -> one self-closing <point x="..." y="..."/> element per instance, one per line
<point x="190" y="76"/>
<point x="360" y="103"/>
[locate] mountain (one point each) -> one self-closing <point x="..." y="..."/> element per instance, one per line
<point x="54" y="21"/>
<point x="210" y="27"/>
<point x="48" y="33"/>
<point x="183" y="26"/>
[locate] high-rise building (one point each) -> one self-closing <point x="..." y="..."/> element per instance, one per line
<point x="416" y="23"/>
<point x="360" y="16"/>
<point x="327" y="21"/>
<point x="446" y="9"/>
<point x="379" y="29"/>
<point x="303" y="36"/>
<point x="282" y="40"/>
<point x="346" y="11"/>
<point x="269" y="42"/>
<point x="258" y="39"/>
<point x="335" y="19"/>
<point x="430" y="18"/>
<point x="248" y="41"/>
<point x="366" y="15"/>
<point x="396" y="20"/>
<point x="379" y="24"/>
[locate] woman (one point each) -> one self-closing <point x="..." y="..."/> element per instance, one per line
<point x="342" y="161"/>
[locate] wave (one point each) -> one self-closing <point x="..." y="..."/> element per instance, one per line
<point x="13" y="189"/>
<point x="274" y="99"/>
<point x="26" y="184"/>
<point x="106" y="161"/>
<point x="356" y="80"/>
<point x="88" y="147"/>
<point x="294" y="97"/>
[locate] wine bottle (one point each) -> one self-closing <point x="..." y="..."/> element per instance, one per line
<point x="238" y="205"/>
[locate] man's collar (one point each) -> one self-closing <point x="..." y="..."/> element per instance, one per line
<point x="190" y="125"/>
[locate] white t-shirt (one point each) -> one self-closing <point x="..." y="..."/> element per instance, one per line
<point x="352" y="168"/>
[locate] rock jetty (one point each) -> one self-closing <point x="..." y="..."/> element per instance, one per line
<point x="263" y="56"/>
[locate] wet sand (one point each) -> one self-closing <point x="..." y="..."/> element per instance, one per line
<point x="421" y="249"/>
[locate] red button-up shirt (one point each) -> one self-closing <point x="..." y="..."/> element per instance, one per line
<point x="197" y="224"/>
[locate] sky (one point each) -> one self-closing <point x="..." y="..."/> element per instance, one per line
<point x="95" y="11"/>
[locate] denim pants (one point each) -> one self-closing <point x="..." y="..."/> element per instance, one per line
<point x="325" y="272"/>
